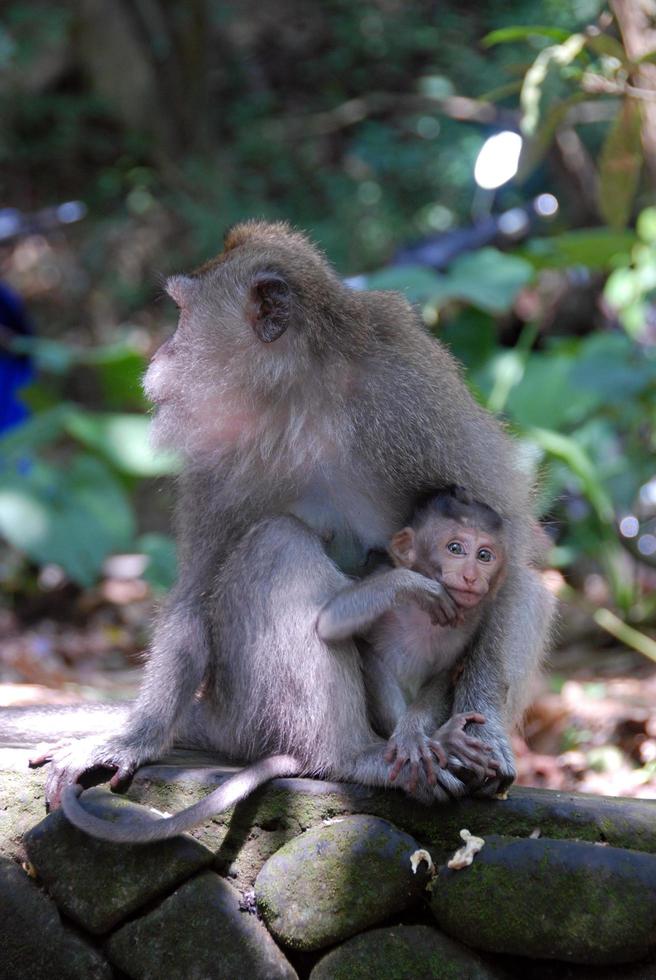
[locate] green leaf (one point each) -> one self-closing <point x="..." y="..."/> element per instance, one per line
<point x="620" y="165"/>
<point x="488" y="279"/>
<point x="568" y="450"/>
<point x="73" y="516"/>
<point x="120" y="368"/>
<point x="122" y="439"/>
<point x="415" y="281"/>
<point x="162" y="565"/>
<point x="506" y="35"/>
<point x="596" y="248"/>
<point x="34" y="432"/>
<point x="646" y="225"/>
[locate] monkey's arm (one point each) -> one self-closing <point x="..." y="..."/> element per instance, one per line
<point x="355" y="610"/>
<point x="502" y="664"/>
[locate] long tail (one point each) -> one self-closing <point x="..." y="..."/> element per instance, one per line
<point x="237" y="788"/>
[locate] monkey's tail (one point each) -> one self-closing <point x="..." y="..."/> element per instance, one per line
<point x="237" y="788"/>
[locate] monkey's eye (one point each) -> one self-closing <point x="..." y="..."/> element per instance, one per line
<point x="484" y="554"/>
<point x="455" y="548"/>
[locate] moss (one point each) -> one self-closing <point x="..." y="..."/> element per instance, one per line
<point x="553" y="899"/>
<point x="335" y="880"/>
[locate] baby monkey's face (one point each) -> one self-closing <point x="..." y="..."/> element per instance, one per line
<point x="468" y="560"/>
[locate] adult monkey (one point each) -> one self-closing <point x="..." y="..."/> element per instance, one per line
<point x="309" y="417"/>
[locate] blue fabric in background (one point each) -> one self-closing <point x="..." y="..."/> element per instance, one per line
<point x="16" y="370"/>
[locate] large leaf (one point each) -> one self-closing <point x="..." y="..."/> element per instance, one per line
<point x="73" y="516"/>
<point x="596" y="248"/>
<point x="506" y="35"/>
<point x="488" y="279"/>
<point x="416" y="282"/>
<point x="161" y="568"/>
<point x="621" y="162"/>
<point x="122" y="440"/>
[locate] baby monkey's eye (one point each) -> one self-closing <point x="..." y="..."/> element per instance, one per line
<point x="455" y="548"/>
<point x="484" y="554"/>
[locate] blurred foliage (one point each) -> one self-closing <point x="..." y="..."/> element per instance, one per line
<point x="360" y="123"/>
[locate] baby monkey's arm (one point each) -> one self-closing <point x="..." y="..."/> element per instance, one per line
<point x="355" y="610"/>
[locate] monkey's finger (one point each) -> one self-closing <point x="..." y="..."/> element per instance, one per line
<point x="397" y="767"/>
<point x="439" y="754"/>
<point x="474" y="716"/>
<point x="40" y="760"/>
<point x="411" y="784"/>
<point x="472" y="761"/>
<point x="390" y="753"/>
<point x="476" y="743"/>
<point x="429" y="768"/>
<point x="121" y="779"/>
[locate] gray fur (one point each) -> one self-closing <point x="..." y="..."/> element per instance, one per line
<point x="302" y="455"/>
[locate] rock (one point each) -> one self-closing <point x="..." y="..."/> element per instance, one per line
<point x="336" y="880"/>
<point x="100" y="884"/>
<point x="564" y="900"/>
<point x="199" y="932"/>
<point x="305" y="802"/>
<point x="33" y="941"/>
<point x="419" y="952"/>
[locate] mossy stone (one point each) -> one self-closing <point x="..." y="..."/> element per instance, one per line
<point x="99" y="884"/>
<point x="552" y="899"/>
<point x="401" y="952"/>
<point x="336" y="880"/>
<point x="200" y="931"/>
<point x="34" y="942"/>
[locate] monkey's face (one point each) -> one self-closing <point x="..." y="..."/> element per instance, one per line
<point x="231" y="351"/>
<point x="469" y="561"/>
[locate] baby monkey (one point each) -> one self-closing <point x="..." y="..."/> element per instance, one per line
<point x="418" y="619"/>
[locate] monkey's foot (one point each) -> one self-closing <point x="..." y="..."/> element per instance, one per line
<point x="88" y="761"/>
<point x="493" y="735"/>
<point x="458" y="750"/>
<point x="412" y="756"/>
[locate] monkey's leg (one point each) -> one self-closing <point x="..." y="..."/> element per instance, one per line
<point x="177" y="661"/>
<point x="289" y="691"/>
<point x="500" y="669"/>
<point x="356" y="608"/>
<point x="385" y="699"/>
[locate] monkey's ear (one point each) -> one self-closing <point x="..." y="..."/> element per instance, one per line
<point x="181" y="289"/>
<point x="402" y="549"/>
<point x="269" y="306"/>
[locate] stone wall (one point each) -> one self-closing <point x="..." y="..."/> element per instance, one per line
<point x="314" y="879"/>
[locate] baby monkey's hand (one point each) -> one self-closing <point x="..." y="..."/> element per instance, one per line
<point x="454" y="748"/>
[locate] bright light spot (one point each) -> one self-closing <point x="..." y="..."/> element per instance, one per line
<point x="647" y="544"/>
<point x="498" y="160"/>
<point x="629" y="527"/>
<point x="71" y="211"/>
<point x="546" y="205"/>
<point x="648" y="492"/>
<point x="513" y="222"/>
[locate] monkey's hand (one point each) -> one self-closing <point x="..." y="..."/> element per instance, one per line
<point x="412" y="756"/>
<point x="87" y="761"/>
<point x="431" y="596"/>
<point x="458" y="749"/>
<point x="493" y="735"/>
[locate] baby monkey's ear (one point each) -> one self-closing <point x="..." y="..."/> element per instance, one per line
<point x="402" y="549"/>
<point x="269" y="306"/>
